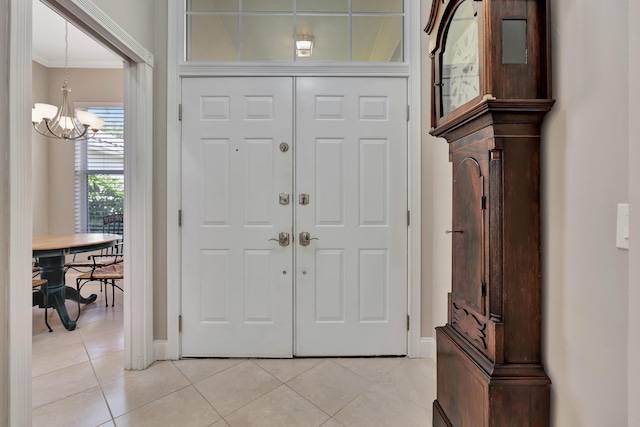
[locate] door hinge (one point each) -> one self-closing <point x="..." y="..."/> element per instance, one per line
<point x="408" y="112"/>
<point x="408" y="322"/>
<point x="483" y="289"/>
<point x="483" y="202"/>
<point x="179" y="112"/>
<point x="408" y="218"/>
<point x="180" y="323"/>
<point x="179" y="217"/>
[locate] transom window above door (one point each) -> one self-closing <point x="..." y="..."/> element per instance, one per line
<point x="294" y="31"/>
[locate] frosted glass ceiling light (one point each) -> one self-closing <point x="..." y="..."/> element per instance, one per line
<point x="54" y="122"/>
<point x="304" y="46"/>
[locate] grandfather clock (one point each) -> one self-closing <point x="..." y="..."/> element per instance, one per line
<point x="491" y="91"/>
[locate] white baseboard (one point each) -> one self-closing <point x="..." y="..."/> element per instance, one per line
<point x="428" y="348"/>
<point x="160" y="349"/>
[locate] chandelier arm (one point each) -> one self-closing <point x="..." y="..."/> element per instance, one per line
<point x="46" y="122"/>
<point x="80" y="134"/>
<point x="37" y="129"/>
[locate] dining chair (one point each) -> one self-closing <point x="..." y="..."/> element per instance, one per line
<point x="105" y="275"/>
<point x="111" y="224"/>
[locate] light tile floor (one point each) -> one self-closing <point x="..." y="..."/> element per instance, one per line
<point x="78" y="380"/>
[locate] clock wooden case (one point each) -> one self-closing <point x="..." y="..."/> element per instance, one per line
<point x="491" y="91"/>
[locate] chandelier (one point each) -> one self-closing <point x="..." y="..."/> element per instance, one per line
<point x="61" y="122"/>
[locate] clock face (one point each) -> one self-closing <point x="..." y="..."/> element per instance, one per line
<point x="460" y="60"/>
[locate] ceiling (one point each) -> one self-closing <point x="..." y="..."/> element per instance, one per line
<point x="49" y="44"/>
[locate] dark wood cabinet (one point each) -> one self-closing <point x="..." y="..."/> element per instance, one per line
<point x="489" y="370"/>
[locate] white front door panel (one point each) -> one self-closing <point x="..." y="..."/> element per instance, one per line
<point x="351" y="283"/>
<point x="236" y="282"/>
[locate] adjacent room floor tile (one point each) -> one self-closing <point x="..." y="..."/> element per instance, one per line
<point x="62" y="383"/>
<point x="60" y="337"/>
<point x="58" y="358"/>
<point x="86" y="408"/>
<point x="104" y="344"/>
<point x="110" y="367"/>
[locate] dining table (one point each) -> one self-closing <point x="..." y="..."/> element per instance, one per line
<point x="50" y="252"/>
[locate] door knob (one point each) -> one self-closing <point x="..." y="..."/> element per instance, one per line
<point x="305" y="238"/>
<point x="283" y="239"/>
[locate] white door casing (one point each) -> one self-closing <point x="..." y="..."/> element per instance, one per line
<point x="237" y="283"/>
<point x="351" y="283"/>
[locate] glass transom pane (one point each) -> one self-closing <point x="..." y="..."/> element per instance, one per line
<point x="267" y="6"/>
<point x="377" y="6"/>
<point x="213" y="38"/>
<point x="377" y="39"/>
<point x="331" y="37"/>
<point x="267" y="38"/>
<point x="213" y="5"/>
<point x="322" y="6"/>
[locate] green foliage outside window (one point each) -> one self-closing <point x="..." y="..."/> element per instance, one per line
<point x="105" y="197"/>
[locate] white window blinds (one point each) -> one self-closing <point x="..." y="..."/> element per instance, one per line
<point x="100" y="171"/>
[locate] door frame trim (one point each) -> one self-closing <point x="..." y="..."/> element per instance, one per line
<point x="15" y="221"/>
<point x="176" y="70"/>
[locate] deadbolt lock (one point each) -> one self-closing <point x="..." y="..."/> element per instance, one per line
<point x="283" y="239"/>
<point x="304" y="199"/>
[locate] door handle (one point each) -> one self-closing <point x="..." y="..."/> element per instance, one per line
<point x="305" y="238"/>
<point x="283" y="239"/>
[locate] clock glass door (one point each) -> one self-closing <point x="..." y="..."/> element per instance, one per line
<point x="460" y="60"/>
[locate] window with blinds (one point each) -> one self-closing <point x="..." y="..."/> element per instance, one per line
<point x="99" y="171"/>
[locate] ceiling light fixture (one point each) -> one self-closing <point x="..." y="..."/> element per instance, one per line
<point x="60" y="123"/>
<point x="304" y="46"/>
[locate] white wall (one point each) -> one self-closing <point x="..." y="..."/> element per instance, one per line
<point x="590" y="337"/>
<point x="5" y="351"/>
<point x="585" y="176"/>
<point x="634" y="201"/>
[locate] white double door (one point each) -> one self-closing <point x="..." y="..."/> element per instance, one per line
<point x="266" y="159"/>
